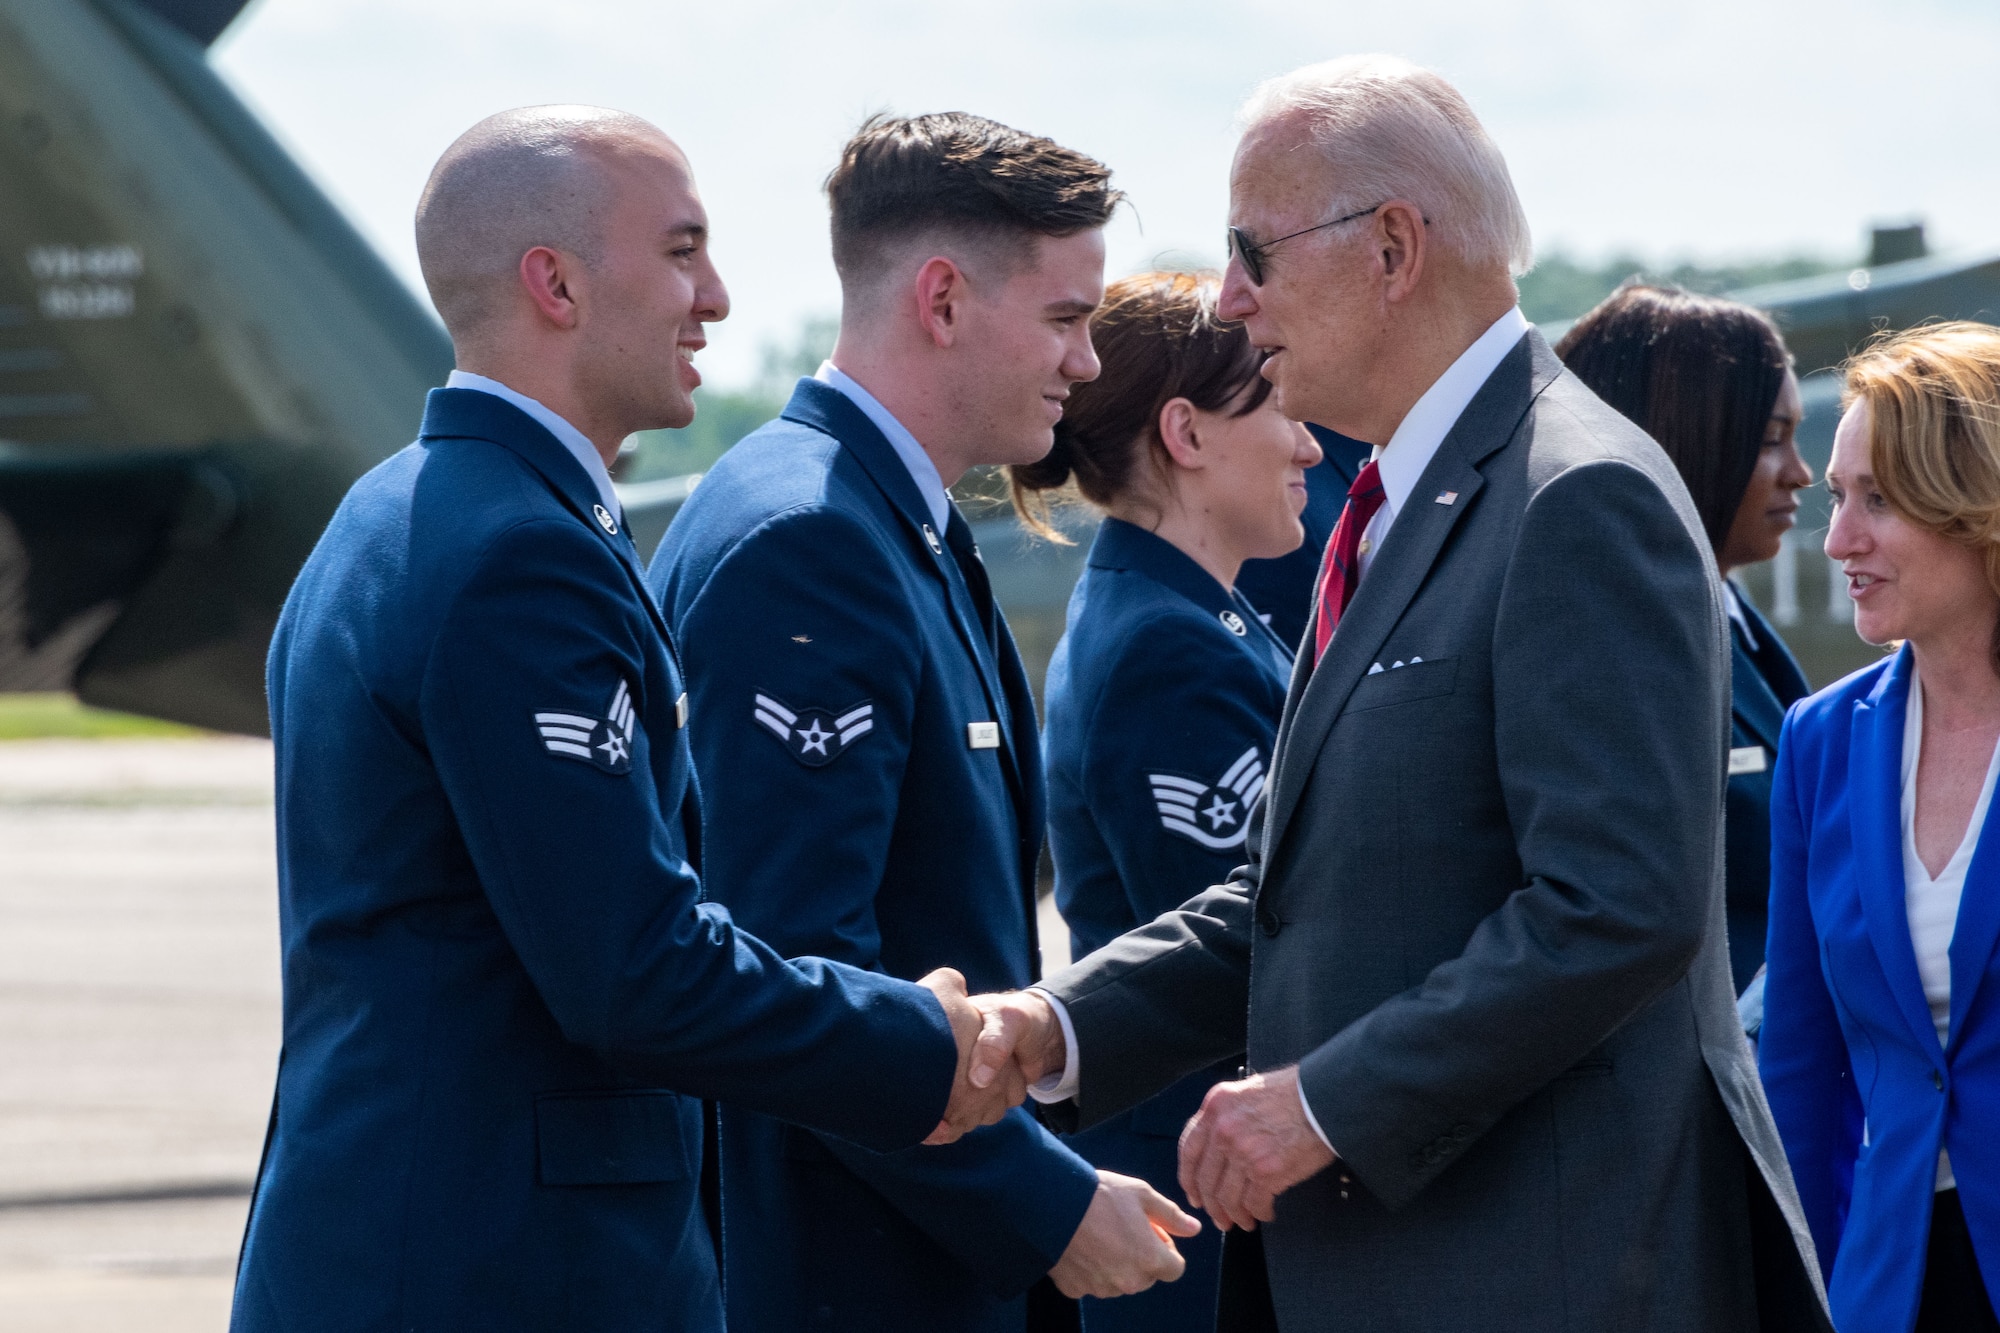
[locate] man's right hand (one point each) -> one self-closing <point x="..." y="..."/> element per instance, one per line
<point x="1125" y="1241"/>
<point x="1019" y="1038"/>
<point x="972" y="1104"/>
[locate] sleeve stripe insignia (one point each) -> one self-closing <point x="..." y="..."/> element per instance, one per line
<point x="855" y="722"/>
<point x="1180" y="802"/>
<point x="606" y="742"/>
<point x="775" y="717"/>
<point x="813" y="736"/>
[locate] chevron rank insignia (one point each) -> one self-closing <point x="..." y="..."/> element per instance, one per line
<point x="1217" y="816"/>
<point x="814" y="736"/>
<point x="605" y="742"/>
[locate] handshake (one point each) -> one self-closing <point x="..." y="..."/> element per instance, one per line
<point x="1125" y="1242"/>
<point x="1249" y="1142"/>
<point x="1006" y="1043"/>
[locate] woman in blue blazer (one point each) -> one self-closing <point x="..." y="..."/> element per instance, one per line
<point x="1165" y="690"/>
<point x="1711" y="380"/>
<point x="1881" y="1043"/>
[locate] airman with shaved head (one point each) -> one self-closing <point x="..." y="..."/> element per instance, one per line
<point x="504" y="989"/>
<point x="566" y="249"/>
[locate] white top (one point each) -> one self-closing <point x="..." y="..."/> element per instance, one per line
<point x="1932" y="904"/>
<point x="922" y="470"/>
<point x="567" y="435"/>
<point x="1409" y="451"/>
<point x="1400" y="463"/>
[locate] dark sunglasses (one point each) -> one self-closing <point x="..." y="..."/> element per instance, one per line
<point x="1252" y="254"/>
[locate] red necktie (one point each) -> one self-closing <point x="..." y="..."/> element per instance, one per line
<point x="1342" y="569"/>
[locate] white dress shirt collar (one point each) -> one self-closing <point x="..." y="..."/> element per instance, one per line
<point x="567" y="435"/>
<point x="922" y="470"/>
<point x="1416" y="441"/>
<point x="1409" y="451"/>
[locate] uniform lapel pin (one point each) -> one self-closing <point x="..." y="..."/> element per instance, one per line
<point x="930" y="535"/>
<point x="1447" y="497"/>
<point x="604" y="519"/>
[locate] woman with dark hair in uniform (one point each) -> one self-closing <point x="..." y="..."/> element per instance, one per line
<point x="1711" y="380"/>
<point x="1165" y="690"/>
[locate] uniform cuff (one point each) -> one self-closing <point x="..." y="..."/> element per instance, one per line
<point x="1062" y="1087"/>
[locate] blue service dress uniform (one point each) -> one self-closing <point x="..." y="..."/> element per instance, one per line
<point x="502" y="991"/>
<point x="865" y="740"/>
<point x="1163" y="698"/>
<point x="1281" y="588"/>
<point x="1764" y="681"/>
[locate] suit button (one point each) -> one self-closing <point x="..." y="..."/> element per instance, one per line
<point x="1937" y="1080"/>
<point x="1267" y="921"/>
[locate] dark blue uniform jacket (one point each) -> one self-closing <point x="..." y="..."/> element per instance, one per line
<point x="1163" y="698"/>
<point x="866" y="743"/>
<point x="502" y="992"/>
<point x="1764" y="681"/>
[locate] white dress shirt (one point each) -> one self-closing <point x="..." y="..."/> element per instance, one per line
<point x="1400" y="463"/>
<point x="1409" y="451"/>
<point x="567" y="435"/>
<point x="1932" y="904"/>
<point x="922" y="470"/>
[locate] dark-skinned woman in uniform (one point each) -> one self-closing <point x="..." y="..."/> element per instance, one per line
<point x="1711" y="380"/>
<point x="1164" y="693"/>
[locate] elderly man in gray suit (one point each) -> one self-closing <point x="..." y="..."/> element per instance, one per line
<point x="1478" y="968"/>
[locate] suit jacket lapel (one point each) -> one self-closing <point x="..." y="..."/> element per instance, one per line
<point x="1397" y="571"/>
<point x="1978" y="928"/>
<point x="1875" y="803"/>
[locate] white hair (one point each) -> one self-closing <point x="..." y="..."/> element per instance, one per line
<point x="1394" y="130"/>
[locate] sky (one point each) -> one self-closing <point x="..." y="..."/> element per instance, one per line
<point x="1704" y="129"/>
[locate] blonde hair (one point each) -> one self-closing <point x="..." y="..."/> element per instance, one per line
<point x="1933" y="396"/>
<point x="1394" y="130"/>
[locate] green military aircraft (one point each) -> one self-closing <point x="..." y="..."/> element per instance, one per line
<point x="198" y="354"/>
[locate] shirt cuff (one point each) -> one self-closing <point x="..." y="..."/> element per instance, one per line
<point x="1061" y="1087"/>
<point x="1311" y="1119"/>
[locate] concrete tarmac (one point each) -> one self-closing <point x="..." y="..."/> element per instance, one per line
<point x="138" y="1027"/>
<point x="139" y="1013"/>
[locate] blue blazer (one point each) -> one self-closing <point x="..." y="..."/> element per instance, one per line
<point x="836" y="660"/>
<point x="1764" y="681"/>
<point x="1163" y="697"/>
<point x="1862" y="1092"/>
<point x="502" y="993"/>
<point x="1281" y="588"/>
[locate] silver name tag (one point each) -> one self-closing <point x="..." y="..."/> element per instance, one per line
<point x="1748" y="759"/>
<point x="982" y="735"/>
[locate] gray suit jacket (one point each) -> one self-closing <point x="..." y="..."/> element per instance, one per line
<point x="1486" y="917"/>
